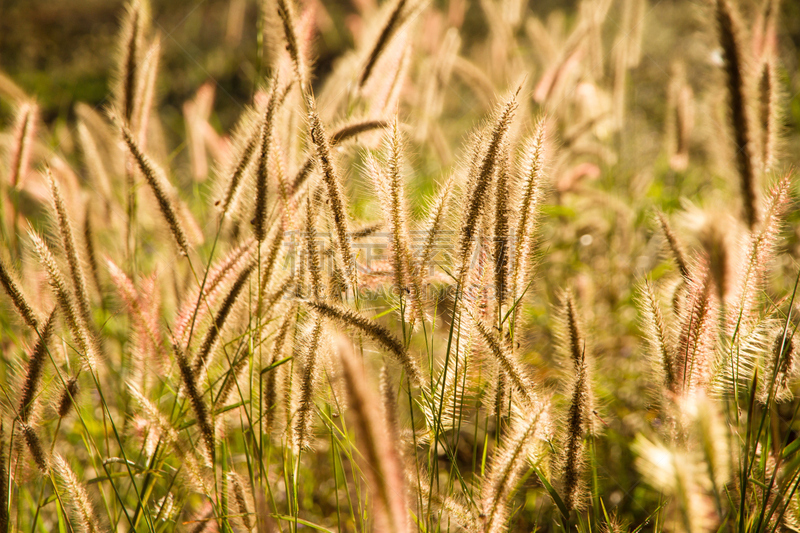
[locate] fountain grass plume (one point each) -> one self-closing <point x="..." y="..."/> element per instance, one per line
<point x="14" y="291"/>
<point x="389" y="401"/>
<point x="33" y="375"/>
<point x="91" y="256"/>
<point x="506" y="469"/>
<point x="76" y="496"/>
<point x="37" y="451"/>
<point x="132" y="299"/>
<point x="749" y="275"/>
<point x="311" y="376"/>
<point x="193" y="469"/>
<point x="391" y="193"/>
<point x="340" y="135"/>
<point x="79" y="289"/>
<point x="245" y="140"/>
<point x="657" y="333"/>
<point x="675" y="245"/>
<point x="212" y="335"/>
<point x="24" y="131"/>
<point x="231" y="379"/>
<point x="767" y="112"/>
<point x="158" y="184"/>
<point x="262" y="175"/>
<point x="312" y="243"/>
<point x="577" y="421"/>
<point x="394" y="21"/>
<point x="204" y="420"/>
<point x="374" y="330"/>
<point x="146" y="90"/>
<point x="75" y="321"/>
<point x="385" y="467"/>
<point x="501" y="229"/>
<point x="242" y="510"/>
<point x="270" y="384"/>
<point x="697" y="332"/>
<point x="528" y="209"/>
<point x="334" y="189"/>
<point x="68" y="395"/>
<point x="508" y="363"/>
<point x="481" y="181"/>
<point x="730" y="38"/>
<point x="287" y="16"/>
<point x="433" y="226"/>
<point x="131" y="44"/>
<point x="96" y="167"/>
<point x="197" y="302"/>
<point x="268" y="268"/>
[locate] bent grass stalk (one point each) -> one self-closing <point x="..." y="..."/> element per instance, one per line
<point x="160" y="188"/>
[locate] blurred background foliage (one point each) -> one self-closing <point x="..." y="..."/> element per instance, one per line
<point x="62" y="51"/>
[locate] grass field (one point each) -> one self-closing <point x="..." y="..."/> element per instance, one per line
<point x="413" y="266"/>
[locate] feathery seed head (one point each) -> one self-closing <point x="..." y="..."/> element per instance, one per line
<point x="578" y="417"/>
<point x="754" y="258"/>
<point x="659" y="337"/>
<point x="482" y="177"/>
<point x="287" y="16"/>
<point x="433" y="226"/>
<point x="308" y="384"/>
<point x="72" y="314"/>
<point x="80" y="292"/>
<point x="14" y="292"/>
<point x="374" y="330"/>
<point x="784" y="365"/>
<point x="161" y="189"/>
<point x="501" y="253"/>
<point x="245" y="141"/>
<point x="68" y="397"/>
<point x="767" y="86"/>
<point x="576" y="342"/>
<point x="393" y="23"/>
<point x="35" y="368"/>
<point x="344" y="133"/>
<point x="697" y="332"/>
<point x="381" y="456"/>
<point x="389" y="404"/>
<point x="270" y="384"/>
<point x="38" y="453"/>
<point x="213" y="333"/>
<point x="204" y="419"/>
<point x="131" y="49"/>
<point x="76" y="496"/>
<point x="197" y="302"/>
<point x="334" y="189"/>
<point x="736" y="69"/>
<point x="262" y="176"/>
<point x="509" y="364"/>
<point x="241" y="509"/>
<point x="24" y="132"/>
<point x="716" y="237"/>
<point x="675" y="245"/>
<point x="506" y="467"/>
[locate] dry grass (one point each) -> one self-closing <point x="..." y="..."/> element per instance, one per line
<point x="333" y="317"/>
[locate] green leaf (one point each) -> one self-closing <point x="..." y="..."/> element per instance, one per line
<point x="553" y="494"/>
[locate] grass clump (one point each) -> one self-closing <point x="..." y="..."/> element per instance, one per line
<point x="326" y="313"/>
